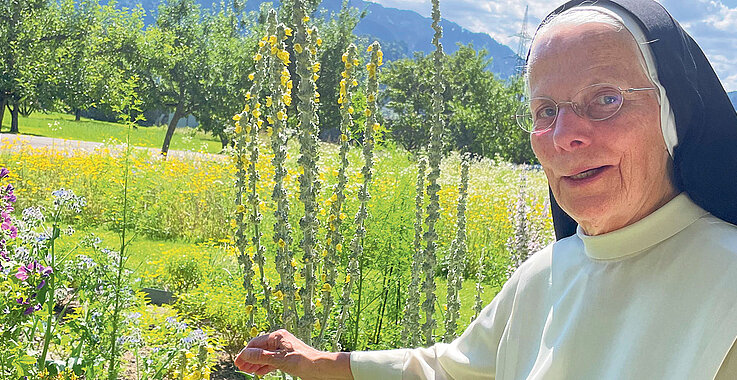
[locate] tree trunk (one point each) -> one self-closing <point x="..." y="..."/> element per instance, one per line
<point x="77" y="114"/>
<point x="224" y="140"/>
<point x="3" y="103"/>
<point x="14" y="111"/>
<point x="178" y="113"/>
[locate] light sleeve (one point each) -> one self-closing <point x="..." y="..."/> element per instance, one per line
<point x="473" y="355"/>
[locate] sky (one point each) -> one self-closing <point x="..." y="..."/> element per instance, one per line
<point x="712" y="23"/>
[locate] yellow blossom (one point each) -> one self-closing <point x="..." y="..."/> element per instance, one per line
<point x="254" y="332"/>
<point x="287" y="99"/>
<point x="288" y="31"/>
<point x="279" y="295"/>
<point x="240" y="209"/>
<point x="367" y="112"/>
<point x="281" y="243"/>
<point x="376" y="127"/>
<point x="257" y="57"/>
<point x="324" y="253"/>
<point x="261" y="44"/>
<point x="347" y="278"/>
<point x="318" y="303"/>
<point x="326" y="287"/>
<point x="306" y="19"/>
<point x="237" y="117"/>
<point x="298" y="48"/>
<point x="339" y="247"/>
<point x="351" y="110"/>
<point x="249" y="309"/>
<point x="269" y="102"/>
<point x="251" y="76"/>
<point x="370" y="48"/>
<point x="238" y="128"/>
<point x="294" y="262"/>
<point x="272" y="40"/>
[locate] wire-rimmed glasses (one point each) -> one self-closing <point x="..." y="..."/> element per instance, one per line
<point x="596" y="102"/>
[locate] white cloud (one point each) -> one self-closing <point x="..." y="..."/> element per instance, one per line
<point x="712" y="23"/>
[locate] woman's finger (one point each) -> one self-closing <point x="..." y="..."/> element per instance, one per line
<point x="257" y="356"/>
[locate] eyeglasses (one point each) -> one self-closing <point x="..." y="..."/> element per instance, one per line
<point x="596" y="102"/>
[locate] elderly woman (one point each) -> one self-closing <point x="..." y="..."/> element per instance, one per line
<point x="637" y="139"/>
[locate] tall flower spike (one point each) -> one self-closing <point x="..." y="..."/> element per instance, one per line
<point x="247" y="176"/>
<point x="334" y="234"/>
<point x="280" y="88"/>
<point x="479" y="303"/>
<point x="435" y="155"/>
<point x="457" y="258"/>
<point x="411" y="324"/>
<point x="309" y="185"/>
<point x="519" y="244"/>
<point x="372" y="125"/>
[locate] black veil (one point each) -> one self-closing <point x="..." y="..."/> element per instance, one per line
<point x="705" y="159"/>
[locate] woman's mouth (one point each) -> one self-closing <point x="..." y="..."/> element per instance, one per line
<point x="586" y="174"/>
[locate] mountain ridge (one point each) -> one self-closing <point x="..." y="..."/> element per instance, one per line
<point x="404" y="32"/>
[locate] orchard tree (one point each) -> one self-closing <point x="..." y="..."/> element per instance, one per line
<point x="479" y="107"/>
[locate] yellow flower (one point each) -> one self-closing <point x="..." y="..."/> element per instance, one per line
<point x="345" y="57"/>
<point x="298" y="48"/>
<point x="347" y="278"/>
<point x="306" y="19"/>
<point x="319" y="42"/>
<point x="371" y="98"/>
<point x="376" y="127"/>
<point x="238" y="128"/>
<point x="240" y="209"/>
<point x="189" y="355"/>
<point x="351" y="110"/>
<point x="324" y="253"/>
<point x="237" y="117"/>
<point x="370" y="48"/>
<point x="256" y="113"/>
<point x="339" y="247"/>
<point x="316" y="67"/>
<point x="269" y="102"/>
<point x="326" y="287"/>
<point x="249" y="96"/>
<point x="318" y="303"/>
<point x="281" y="243"/>
<point x="279" y="295"/>
<point x="287" y="99"/>
<point x="272" y="40"/>
<point x="281" y="116"/>
<point x="249" y="309"/>
<point x="288" y="31"/>
<point x="257" y="57"/>
<point x="251" y="76"/>
<point x="233" y="223"/>
<point x="254" y="332"/>
<point x="343" y="136"/>
<point x="294" y="262"/>
<point x="317" y="324"/>
<point x="246" y="108"/>
<point x="367" y="112"/>
<point x="261" y="44"/>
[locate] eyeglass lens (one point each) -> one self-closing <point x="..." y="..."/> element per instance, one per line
<point x="598" y="102"/>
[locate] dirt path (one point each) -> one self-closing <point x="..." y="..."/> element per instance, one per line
<point x="14" y="141"/>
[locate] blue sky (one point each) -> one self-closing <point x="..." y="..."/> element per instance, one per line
<point x="712" y="23"/>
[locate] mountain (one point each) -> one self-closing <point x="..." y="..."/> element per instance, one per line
<point x="733" y="98"/>
<point x="400" y="32"/>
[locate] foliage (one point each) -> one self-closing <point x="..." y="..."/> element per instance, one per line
<point x="479" y="107"/>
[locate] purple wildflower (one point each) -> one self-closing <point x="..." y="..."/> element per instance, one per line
<point x="4" y="173"/>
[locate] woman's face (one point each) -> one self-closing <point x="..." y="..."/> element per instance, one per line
<point x="604" y="174"/>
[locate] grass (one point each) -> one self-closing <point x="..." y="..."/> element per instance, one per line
<point x="63" y="126"/>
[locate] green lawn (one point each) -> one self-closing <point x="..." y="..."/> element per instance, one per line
<point x="63" y="126"/>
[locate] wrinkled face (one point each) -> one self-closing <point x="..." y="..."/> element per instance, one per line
<point x="604" y="174"/>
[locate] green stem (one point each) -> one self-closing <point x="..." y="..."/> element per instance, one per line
<point x="50" y="299"/>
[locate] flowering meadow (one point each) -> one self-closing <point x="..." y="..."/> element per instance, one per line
<point x="352" y="245"/>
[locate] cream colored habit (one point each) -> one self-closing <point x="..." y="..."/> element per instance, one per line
<point x="654" y="300"/>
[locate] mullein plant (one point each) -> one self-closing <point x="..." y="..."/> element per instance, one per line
<point x="457" y="259"/>
<point x="435" y="156"/>
<point x="247" y="177"/>
<point x="411" y="323"/>
<point x="281" y="90"/>
<point x="478" y="304"/>
<point x="334" y="238"/>
<point x="306" y="42"/>
<point x="371" y="127"/>
<point x="519" y="244"/>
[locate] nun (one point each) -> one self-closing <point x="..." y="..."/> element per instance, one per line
<point x="638" y="141"/>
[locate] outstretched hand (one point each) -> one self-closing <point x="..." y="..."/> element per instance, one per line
<point x="281" y="350"/>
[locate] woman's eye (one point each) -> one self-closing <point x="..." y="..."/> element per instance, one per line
<point x="607" y="100"/>
<point x="545" y="112"/>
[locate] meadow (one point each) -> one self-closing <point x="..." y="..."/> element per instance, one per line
<point x="182" y="211"/>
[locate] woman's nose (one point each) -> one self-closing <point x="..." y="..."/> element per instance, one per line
<point x="570" y="131"/>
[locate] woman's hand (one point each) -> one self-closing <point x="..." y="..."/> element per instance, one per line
<point x="283" y="351"/>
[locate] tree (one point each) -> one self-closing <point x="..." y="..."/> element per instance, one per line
<point x="178" y="62"/>
<point x="479" y="107"/>
<point x="26" y="33"/>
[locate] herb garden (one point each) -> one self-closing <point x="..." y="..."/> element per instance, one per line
<point x="352" y="245"/>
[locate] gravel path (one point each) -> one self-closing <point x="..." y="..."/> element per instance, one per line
<point x="14" y="141"/>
